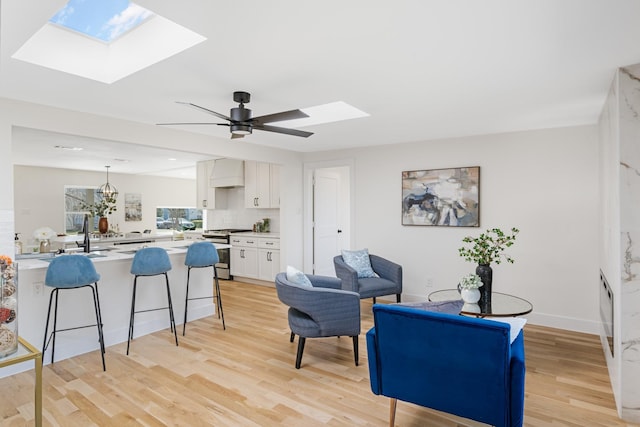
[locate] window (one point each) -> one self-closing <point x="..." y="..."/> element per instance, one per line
<point x="74" y="198"/>
<point x="178" y="218"/>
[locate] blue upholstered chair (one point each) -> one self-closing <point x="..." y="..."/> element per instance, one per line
<point x="65" y="273"/>
<point x="320" y="310"/>
<point x="203" y="255"/>
<point x="151" y="262"/>
<point x="389" y="281"/>
<point x="461" y="365"/>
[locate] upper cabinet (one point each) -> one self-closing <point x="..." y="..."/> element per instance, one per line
<point x="208" y="196"/>
<point x="261" y="185"/>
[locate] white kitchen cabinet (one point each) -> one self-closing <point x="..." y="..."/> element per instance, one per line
<point x="268" y="259"/>
<point x="258" y="185"/>
<point x="208" y="196"/>
<point x="275" y="185"/>
<point x="244" y="257"/>
<point x="255" y="257"/>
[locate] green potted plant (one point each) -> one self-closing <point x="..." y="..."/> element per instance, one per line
<point x="101" y="208"/>
<point x="485" y="249"/>
<point x="468" y="288"/>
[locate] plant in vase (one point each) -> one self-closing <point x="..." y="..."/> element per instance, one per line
<point x="469" y="288"/>
<point x="485" y="249"/>
<point x="101" y="209"/>
<point x="43" y="235"/>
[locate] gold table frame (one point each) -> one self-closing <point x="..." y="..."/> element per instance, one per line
<point x="25" y="353"/>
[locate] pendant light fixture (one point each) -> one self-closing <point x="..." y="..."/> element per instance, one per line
<point x="106" y="190"/>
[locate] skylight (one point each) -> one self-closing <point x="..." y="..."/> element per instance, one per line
<point x="99" y="19"/>
<point x="105" y="40"/>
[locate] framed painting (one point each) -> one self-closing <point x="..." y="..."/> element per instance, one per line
<point x="441" y="197"/>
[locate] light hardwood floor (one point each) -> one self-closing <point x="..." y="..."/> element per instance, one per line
<point x="245" y="376"/>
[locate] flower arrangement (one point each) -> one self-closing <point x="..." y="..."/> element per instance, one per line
<point x="43" y="233"/>
<point x="489" y="246"/>
<point x="471" y="281"/>
<point x="102" y="208"/>
<point x="7" y="269"/>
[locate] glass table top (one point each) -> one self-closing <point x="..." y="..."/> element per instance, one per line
<point x="502" y="305"/>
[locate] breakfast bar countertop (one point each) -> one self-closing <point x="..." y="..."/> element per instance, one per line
<point x="105" y="253"/>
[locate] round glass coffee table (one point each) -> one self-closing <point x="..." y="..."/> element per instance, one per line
<point x="502" y="305"/>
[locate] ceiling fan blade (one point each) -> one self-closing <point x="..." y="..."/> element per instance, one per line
<point x="206" y="110"/>
<point x="288" y="131"/>
<point x="278" y="117"/>
<point x="190" y="123"/>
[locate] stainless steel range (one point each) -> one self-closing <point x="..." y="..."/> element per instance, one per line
<point x="222" y="236"/>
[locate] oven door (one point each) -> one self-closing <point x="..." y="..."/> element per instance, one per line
<point x="223" y="266"/>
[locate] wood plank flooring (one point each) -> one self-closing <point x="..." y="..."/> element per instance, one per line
<point x="245" y="376"/>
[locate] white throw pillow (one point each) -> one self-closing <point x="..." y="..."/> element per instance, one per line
<point x="298" y="277"/>
<point x="360" y="262"/>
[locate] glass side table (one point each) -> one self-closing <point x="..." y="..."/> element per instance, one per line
<point x="28" y="352"/>
<point x="502" y="305"/>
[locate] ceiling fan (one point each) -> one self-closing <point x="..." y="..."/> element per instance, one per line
<point x="241" y="123"/>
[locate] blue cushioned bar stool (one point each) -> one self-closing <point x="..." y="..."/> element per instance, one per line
<point x="202" y="255"/>
<point x="150" y="262"/>
<point x="71" y="272"/>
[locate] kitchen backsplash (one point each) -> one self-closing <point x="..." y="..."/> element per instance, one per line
<point x="237" y="216"/>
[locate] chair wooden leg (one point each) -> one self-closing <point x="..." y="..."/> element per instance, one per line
<point x="355" y="348"/>
<point x="300" y="350"/>
<point x="392" y="412"/>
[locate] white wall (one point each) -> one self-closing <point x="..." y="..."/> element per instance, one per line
<point x="39" y="197"/>
<point x="542" y="182"/>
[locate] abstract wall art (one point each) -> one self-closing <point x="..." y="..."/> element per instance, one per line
<point x="441" y="197"/>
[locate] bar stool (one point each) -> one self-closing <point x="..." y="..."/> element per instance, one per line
<point x="201" y="255"/>
<point x="150" y="262"/>
<point x="72" y="272"/>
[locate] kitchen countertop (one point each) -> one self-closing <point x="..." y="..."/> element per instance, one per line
<point x="254" y="234"/>
<point x="104" y="253"/>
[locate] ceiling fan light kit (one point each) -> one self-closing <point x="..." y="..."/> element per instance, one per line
<point x="241" y="123"/>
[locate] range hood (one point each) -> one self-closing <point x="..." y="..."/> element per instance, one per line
<point x="227" y="173"/>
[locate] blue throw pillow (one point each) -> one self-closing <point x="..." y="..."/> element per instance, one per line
<point x="360" y="262"/>
<point x="298" y="277"/>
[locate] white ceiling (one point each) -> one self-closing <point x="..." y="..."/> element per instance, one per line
<point x="422" y="69"/>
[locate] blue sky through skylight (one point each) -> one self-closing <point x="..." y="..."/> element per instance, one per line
<point x="105" y="20"/>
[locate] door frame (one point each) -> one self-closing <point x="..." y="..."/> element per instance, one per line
<point x="309" y="169"/>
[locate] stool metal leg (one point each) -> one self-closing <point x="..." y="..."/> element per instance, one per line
<point x="172" y="319"/>
<point x="96" y="306"/>
<point x="186" y="302"/>
<point x="131" y="316"/>
<point x="55" y="323"/>
<point x="46" y="327"/>
<point x="218" y="297"/>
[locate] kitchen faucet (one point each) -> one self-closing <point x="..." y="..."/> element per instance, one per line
<point x="85" y="227"/>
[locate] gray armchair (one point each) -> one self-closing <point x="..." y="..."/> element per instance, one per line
<point x="389" y="282"/>
<point x="321" y="310"/>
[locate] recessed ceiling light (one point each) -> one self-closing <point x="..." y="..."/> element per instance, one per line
<point x="172" y="159"/>
<point x="326" y="113"/>
<point x="63" y="147"/>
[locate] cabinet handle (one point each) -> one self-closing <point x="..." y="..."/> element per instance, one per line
<point x="268" y="243"/>
<point x="241" y="253"/>
<point x="269" y="256"/>
<point x="204" y="203"/>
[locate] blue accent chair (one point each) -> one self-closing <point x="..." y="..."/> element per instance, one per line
<point x="455" y="364"/>
<point x="389" y="282"/>
<point x="65" y="273"/>
<point x="147" y="262"/>
<point x="203" y="255"/>
<point x="321" y="310"/>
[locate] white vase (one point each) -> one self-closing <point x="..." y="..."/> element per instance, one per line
<point x="470" y="295"/>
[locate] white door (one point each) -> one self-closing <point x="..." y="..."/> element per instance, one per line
<point x="330" y="217"/>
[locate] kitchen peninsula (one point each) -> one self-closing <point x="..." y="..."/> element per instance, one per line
<point x="113" y="263"/>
